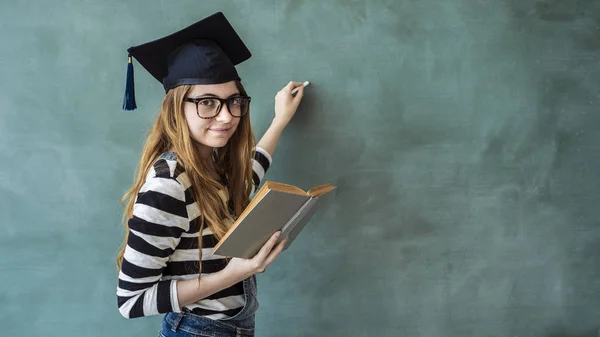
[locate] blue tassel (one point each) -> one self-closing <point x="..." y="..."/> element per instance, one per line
<point x="129" y="99"/>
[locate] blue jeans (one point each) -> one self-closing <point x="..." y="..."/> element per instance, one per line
<point x="186" y="324"/>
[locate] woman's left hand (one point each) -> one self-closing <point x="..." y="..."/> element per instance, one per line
<point x="286" y="104"/>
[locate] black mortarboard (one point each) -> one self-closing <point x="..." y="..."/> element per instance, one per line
<point x="203" y="53"/>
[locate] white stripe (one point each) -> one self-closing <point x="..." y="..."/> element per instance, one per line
<point x="128" y="278"/>
<point x="258" y="169"/>
<point x="143" y="260"/>
<point x="221" y="304"/>
<point x="216" y="316"/>
<point x="193" y="211"/>
<point x="184" y="180"/>
<point x="126" y="307"/>
<point x="174" y="299"/>
<point x="151" y="301"/>
<point x="128" y="293"/>
<point x="166" y="186"/>
<point x="172" y="164"/>
<point x="160" y="217"/>
<point x="181" y="255"/>
<point x="160" y="242"/>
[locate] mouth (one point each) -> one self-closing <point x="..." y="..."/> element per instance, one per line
<point x="221" y="130"/>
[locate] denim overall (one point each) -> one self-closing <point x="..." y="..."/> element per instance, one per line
<point x="187" y="324"/>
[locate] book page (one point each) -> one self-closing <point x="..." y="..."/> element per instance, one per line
<point x="285" y="188"/>
<point x="320" y="190"/>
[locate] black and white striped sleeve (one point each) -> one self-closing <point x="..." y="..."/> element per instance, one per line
<point x="159" y="219"/>
<point x="260" y="164"/>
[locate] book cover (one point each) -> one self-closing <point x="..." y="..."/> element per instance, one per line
<point x="275" y="207"/>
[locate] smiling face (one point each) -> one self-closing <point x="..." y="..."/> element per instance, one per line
<point x="214" y="132"/>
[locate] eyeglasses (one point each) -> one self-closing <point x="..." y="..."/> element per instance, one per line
<point x="209" y="107"/>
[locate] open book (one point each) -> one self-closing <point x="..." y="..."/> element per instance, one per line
<point x="276" y="206"/>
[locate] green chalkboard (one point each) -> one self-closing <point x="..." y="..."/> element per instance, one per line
<point x="462" y="137"/>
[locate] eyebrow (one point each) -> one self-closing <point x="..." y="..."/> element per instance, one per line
<point x="208" y="95"/>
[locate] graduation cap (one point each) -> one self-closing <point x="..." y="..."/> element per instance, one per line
<point x="203" y="53"/>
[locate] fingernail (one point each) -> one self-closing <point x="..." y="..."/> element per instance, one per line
<point x="278" y="234"/>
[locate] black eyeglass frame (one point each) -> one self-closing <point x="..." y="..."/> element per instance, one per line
<point x="227" y="101"/>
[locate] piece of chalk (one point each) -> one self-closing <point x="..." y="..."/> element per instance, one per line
<point x="303" y="84"/>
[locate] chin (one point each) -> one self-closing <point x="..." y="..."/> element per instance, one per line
<point x="213" y="141"/>
<point x="219" y="142"/>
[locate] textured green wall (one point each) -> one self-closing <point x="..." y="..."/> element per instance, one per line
<point x="462" y="136"/>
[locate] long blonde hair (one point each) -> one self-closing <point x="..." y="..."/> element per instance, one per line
<point x="170" y="132"/>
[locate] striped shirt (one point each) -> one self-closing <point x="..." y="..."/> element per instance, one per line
<point x="162" y="246"/>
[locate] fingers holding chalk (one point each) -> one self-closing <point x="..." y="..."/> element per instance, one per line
<point x="298" y="87"/>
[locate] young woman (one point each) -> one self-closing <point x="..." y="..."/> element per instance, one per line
<point x="198" y="168"/>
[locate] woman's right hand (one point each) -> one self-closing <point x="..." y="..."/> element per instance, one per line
<point x="258" y="264"/>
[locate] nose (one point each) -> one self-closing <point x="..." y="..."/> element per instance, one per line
<point x="224" y="117"/>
